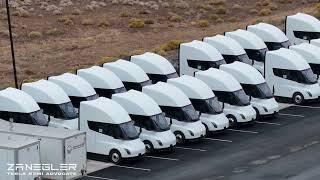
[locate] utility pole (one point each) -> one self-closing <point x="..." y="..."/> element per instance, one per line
<point x="12" y="47"/>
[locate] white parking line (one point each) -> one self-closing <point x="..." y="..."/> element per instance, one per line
<point x="222" y="140"/>
<point x="269" y="123"/>
<point x="163" y="158"/>
<point x="294" y="115"/>
<point x="312" y="107"/>
<point x="243" y="131"/>
<point x="95" y="177"/>
<point x="192" y="149"/>
<point x="135" y="168"/>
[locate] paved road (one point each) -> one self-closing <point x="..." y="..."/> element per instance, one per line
<point x="285" y="148"/>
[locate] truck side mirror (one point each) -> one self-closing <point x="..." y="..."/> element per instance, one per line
<point x="170" y="121"/>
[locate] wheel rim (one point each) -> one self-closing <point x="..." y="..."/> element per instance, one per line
<point x="115" y="157"/>
<point x="179" y="138"/>
<point x="148" y="148"/>
<point x="231" y="121"/>
<point x="298" y="99"/>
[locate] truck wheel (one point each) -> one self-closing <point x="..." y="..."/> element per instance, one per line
<point x="298" y="98"/>
<point x="180" y="137"/>
<point x="207" y="129"/>
<point x="115" y="157"/>
<point x="232" y="121"/>
<point x="149" y="147"/>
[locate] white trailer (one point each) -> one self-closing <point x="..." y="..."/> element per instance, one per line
<point x="198" y="56"/>
<point x="15" y="153"/>
<point x="272" y="36"/>
<point x="179" y="111"/>
<point x="110" y="130"/>
<point x="104" y="82"/>
<point x="301" y="28"/>
<point x="236" y="104"/>
<point x="290" y="76"/>
<point x="311" y="54"/>
<point x="131" y="75"/>
<point x="230" y="49"/>
<point x="255" y="86"/>
<point x="148" y="118"/>
<point x="253" y="45"/>
<point x="61" y="149"/>
<point x="20" y="107"/>
<point x="76" y="88"/>
<point x="157" y="67"/>
<point x="54" y="102"/>
<point x="204" y="101"/>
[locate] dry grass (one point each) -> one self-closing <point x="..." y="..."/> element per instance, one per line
<point x="34" y="34"/>
<point x="136" y="23"/>
<point x="203" y="23"/>
<point x="265" y="12"/>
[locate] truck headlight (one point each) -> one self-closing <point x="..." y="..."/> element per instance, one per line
<point x="309" y="93"/>
<point x="214" y="125"/>
<point x="191" y="133"/>
<point x="242" y="116"/>
<point x="265" y="109"/>
<point x="127" y="150"/>
<point x="159" y="142"/>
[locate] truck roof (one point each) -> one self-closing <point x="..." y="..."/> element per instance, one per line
<point x="246" y="39"/>
<point x="100" y="77"/>
<point x="310" y="52"/>
<point x="73" y="85"/>
<point x="127" y="71"/>
<point x="44" y="91"/>
<point x="166" y="95"/>
<point x="219" y="80"/>
<point x="286" y="59"/>
<point x="244" y="73"/>
<point x="39" y="131"/>
<point x="201" y="51"/>
<point x="194" y="88"/>
<point x="104" y="110"/>
<point x="153" y="63"/>
<point x="11" y="141"/>
<point x="268" y="32"/>
<point x="137" y="103"/>
<point x="304" y="22"/>
<point x="15" y="100"/>
<point x="225" y="45"/>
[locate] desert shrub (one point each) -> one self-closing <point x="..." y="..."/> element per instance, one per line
<point x="53" y="32"/>
<point x="233" y="19"/>
<point x="87" y="22"/>
<point x="205" y="7"/>
<point x="175" y="18"/>
<point x="219" y="20"/>
<point x="217" y="2"/>
<point x="213" y="17"/>
<point x="136" y="23"/>
<point x="144" y="11"/>
<point x="221" y="10"/>
<point x="65" y="20"/>
<point x="34" y="34"/>
<point x="285" y="1"/>
<point x="273" y="6"/>
<point x="203" y="23"/>
<point x="124" y="14"/>
<point x="149" y="21"/>
<point x="76" y="12"/>
<point x="105" y="59"/>
<point x="171" y="45"/>
<point x="265" y="12"/>
<point x="236" y="6"/>
<point x="104" y="24"/>
<point x="265" y="3"/>
<point x="253" y="11"/>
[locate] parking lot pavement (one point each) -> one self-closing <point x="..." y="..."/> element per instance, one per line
<point x="251" y="152"/>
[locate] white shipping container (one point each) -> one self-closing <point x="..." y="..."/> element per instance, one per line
<point x="18" y="151"/>
<point x="63" y="149"/>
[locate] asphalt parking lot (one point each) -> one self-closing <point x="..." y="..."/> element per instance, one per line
<point x="287" y="147"/>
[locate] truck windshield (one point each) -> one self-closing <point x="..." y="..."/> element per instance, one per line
<point x="257" y="54"/>
<point x="172" y="75"/>
<point x="306" y="35"/>
<point x="315" y="68"/>
<point x="240" y="98"/>
<point x="307" y="76"/>
<point x="205" y="65"/>
<point x="128" y="131"/>
<point x="93" y="97"/>
<point x="241" y="58"/>
<point x="159" y="122"/>
<point x="68" y="111"/>
<point x="137" y="85"/>
<point x="162" y="77"/>
<point x="109" y="92"/>
<point x="260" y="91"/>
<point x="35" y="118"/>
<point x="207" y="106"/>
<point x="277" y="45"/>
<point x="185" y="114"/>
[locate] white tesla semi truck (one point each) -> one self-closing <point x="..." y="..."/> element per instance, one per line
<point x="254" y="46"/>
<point x="311" y="54"/>
<point x="131" y="75"/>
<point x="198" y="56"/>
<point x="157" y="67"/>
<point x="110" y="130"/>
<point x="230" y="49"/>
<point x="149" y="120"/>
<point x="179" y="111"/>
<point x="54" y="102"/>
<point x="301" y="28"/>
<point x="255" y="86"/>
<point x="236" y="104"/>
<point x="272" y="36"/>
<point x="76" y="88"/>
<point x="19" y="107"/>
<point x="104" y="82"/>
<point x="290" y="76"/>
<point x="204" y="101"/>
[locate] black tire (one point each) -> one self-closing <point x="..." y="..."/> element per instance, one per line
<point x="298" y="98"/>
<point x="233" y="123"/>
<point x="257" y="113"/>
<point x="207" y="130"/>
<point x="180" y="137"/>
<point x="149" y="147"/>
<point x="115" y="156"/>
